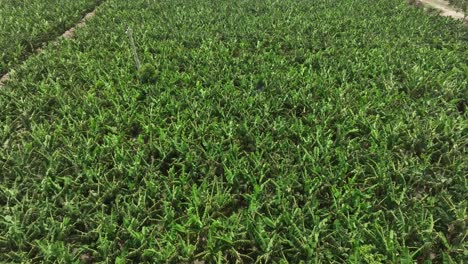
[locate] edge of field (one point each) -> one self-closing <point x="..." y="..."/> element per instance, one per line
<point x="445" y="8"/>
<point x="69" y="33"/>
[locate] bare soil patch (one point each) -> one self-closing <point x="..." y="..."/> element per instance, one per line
<point x="445" y="8"/>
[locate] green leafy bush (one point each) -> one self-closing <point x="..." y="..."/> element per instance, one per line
<point x="148" y="73"/>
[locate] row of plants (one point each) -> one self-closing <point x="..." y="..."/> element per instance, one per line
<point x="255" y="131"/>
<point x="26" y="25"/>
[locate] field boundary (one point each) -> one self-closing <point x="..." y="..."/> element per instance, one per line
<point x="69" y="33"/>
<point x="444" y="8"/>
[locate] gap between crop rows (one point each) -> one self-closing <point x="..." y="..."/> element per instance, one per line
<point x="69" y="33"/>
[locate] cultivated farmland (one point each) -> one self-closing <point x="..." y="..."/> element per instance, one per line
<point x="256" y="131"/>
<point x="24" y="25"/>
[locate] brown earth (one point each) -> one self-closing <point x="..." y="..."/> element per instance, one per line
<point x="444" y="8"/>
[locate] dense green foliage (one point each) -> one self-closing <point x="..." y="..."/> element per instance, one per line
<point x="317" y="131"/>
<point x="24" y="25"/>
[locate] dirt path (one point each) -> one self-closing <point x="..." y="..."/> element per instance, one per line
<point x="67" y="34"/>
<point x="445" y="8"/>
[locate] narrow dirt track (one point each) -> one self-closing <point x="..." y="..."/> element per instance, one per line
<point x="445" y="8"/>
<point x="66" y="35"/>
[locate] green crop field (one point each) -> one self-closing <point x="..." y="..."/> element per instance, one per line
<point x="24" y="25"/>
<point x="294" y="131"/>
